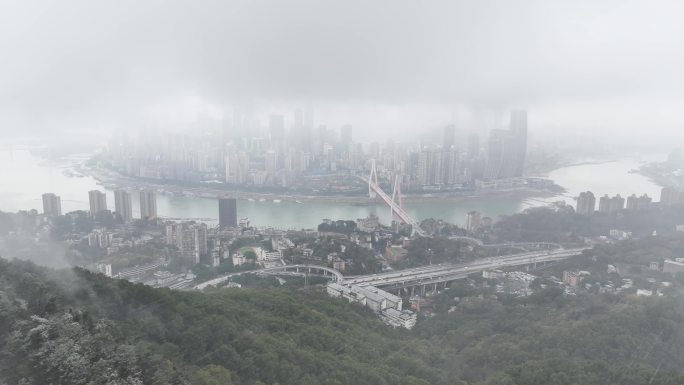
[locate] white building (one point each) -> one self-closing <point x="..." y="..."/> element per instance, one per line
<point x="105" y="268"/>
<point x="396" y="318"/>
<point x="387" y="305"/>
<point x="270" y="256"/>
<point x="239" y="259"/>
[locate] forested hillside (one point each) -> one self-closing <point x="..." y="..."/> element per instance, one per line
<point x="75" y="327"/>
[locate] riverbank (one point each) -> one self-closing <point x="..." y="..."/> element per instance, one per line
<point x="114" y="180"/>
<point x="661" y="177"/>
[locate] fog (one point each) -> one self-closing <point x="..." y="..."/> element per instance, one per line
<point x="595" y="67"/>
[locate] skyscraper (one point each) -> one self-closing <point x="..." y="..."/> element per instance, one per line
<point x="617" y="203"/>
<point x="473" y="145"/>
<point x="671" y="196"/>
<point x="497" y="154"/>
<point x="301" y="132"/>
<point x="449" y="137"/>
<point x="148" y="204"/>
<point x="98" y="202"/>
<point x="473" y="220"/>
<point x="586" y="203"/>
<point x="604" y="204"/>
<point x="518" y="130"/>
<point x="227" y="212"/>
<point x="52" y="205"/>
<point x="123" y="206"/>
<point x="644" y="202"/>
<point x="507" y="149"/>
<point x="632" y="202"/>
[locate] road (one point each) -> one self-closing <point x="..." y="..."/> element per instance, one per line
<point x="423" y="275"/>
<point x="448" y="272"/>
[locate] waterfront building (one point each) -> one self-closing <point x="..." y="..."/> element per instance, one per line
<point x="123" y="206"/>
<point x="518" y="128"/>
<point x="609" y="205"/>
<point x="617" y="203"/>
<point x="671" y="196"/>
<point x="644" y="202"/>
<point x="507" y="149"/>
<point x="228" y="212"/>
<point x="586" y="203"/>
<point x="604" y="204"/>
<point x="98" y="201"/>
<point x="473" y="221"/>
<point x="632" y="202"/>
<point x="148" y="204"/>
<point x="52" y="205"/>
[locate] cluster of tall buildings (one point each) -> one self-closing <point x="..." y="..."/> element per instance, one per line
<point x="241" y="151"/>
<point x="507" y="149"/>
<point x="238" y="151"/>
<point x="671" y="196"/>
<point x="97" y="201"/>
<point x="586" y="203"/>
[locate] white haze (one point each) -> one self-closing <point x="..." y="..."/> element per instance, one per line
<point x="392" y="66"/>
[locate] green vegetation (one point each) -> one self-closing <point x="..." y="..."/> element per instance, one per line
<point x="425" y="251"/>
<point x="75" y="327"/>
<point x="545" y="224"/>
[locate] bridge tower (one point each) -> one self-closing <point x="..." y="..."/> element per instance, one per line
<point x="396" y="197"/>
<point x="372" y="179"/>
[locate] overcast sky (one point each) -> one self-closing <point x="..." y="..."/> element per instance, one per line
<point x="580" y="66"/>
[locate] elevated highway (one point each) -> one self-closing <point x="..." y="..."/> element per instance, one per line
<point x="443" y="273"/>
<point x="422" y="276"/>
<point x="292" y="270"/>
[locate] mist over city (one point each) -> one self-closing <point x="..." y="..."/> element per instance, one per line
<point x="359" y="192"/>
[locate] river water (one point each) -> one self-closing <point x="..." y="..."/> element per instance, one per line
<point x="24" y="178"/>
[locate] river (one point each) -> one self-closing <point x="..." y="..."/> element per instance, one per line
<point x="25" y="178"/>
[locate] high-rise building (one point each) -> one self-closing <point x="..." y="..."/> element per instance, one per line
<point x="473" y="220"/>
<point x="507" y="149"/>
<point x="518" y="130"/>
<point x="632" y="202"/>
<point x="148" y="204"/>
<point x="604" y="204"/>
<point x="586" y="203"/>
<point x="227" y="212"/>
<point x="301" y="132"/>
<point x="473" y="146"/>
<point x="98" y="201"/>
<point x="644" y="202"/>
<point x="609" y="205"/>
<point x="189" y="237"/>
<point x="123" y="206"/>
<point x="271" y="161"/>
<point x="498" y="150"/>
<point x="52" y="205"/>
<point x="276" y="129"/>
<point x="449" y="137"/>
<point x="617" y="203"/>
<point x="671" y="196"/>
